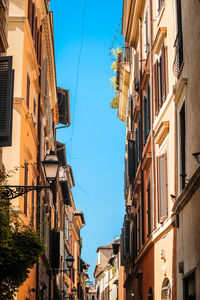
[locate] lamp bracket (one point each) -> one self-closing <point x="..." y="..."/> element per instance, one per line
<point x="14" y="191"/>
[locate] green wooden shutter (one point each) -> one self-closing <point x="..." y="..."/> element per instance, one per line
<point x="6" y="100"/>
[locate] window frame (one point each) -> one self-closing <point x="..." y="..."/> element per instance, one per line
<point x="161" y="219"/>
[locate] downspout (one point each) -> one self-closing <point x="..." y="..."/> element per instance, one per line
<point x="38" y="193"/>
<point x="141" y="130"/>
<point x="151" y="115"/>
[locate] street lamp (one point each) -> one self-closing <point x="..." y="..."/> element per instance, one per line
<point x="50" y="163"/>
<point x="69" y="261"/>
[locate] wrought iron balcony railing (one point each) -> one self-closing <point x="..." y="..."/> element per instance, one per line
<point x="178" y="60"/>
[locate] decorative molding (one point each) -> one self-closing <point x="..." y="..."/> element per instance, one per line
<point x="161" y="133"/>
<point x="187" y="193"/>
<point x="160" y="36"/>
<point x="179" y="89"/>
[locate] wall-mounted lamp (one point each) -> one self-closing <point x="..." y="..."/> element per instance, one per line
<point x="197" y="156"/>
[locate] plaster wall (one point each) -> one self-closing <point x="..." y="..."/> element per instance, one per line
<point x="188" y="242"/>
<point x="163" y="269"/>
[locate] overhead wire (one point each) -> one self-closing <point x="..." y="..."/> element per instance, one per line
<point x="78" y="70"/>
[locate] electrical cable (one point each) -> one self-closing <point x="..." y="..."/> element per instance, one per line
<point x="78" y="69"/>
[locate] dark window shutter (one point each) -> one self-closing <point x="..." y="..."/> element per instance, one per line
<point x="136" y="148"/>
<point x="162" y="187"/>
<point x="148" y="109"/>
<point x="139" y="228"/>
<point x="28" y="91"/>
<point x="135" y="236"/>
<point x="122" y="247"/>
<point x="6" y="100"/>
<point x="156" y="87"/>
<point x="30" y="12"/>
<point x="33" y="205"/>
<point x="33" y="20"/>
<point x="182" y="145"/>
<point x="35" y="33"/>
<point x="132" y="122"/>
<point x="163" y="72"/>
<point x="149" y="208"/>
<point x="136" y="73"/>
<point x="139" y="139"/>
<point x="131" y="159"/>
<point x="55" y="249"/>
<point x="159" y="83"/>
<point x="144" y="120"/>
<point x="125" y="177"/>
<point x="25" y="184"/>
<point x="39" y="45"/>
<point x="126" y="238"/>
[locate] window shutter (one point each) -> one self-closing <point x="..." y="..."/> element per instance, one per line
<point x="35" y="33"/>
<point x="122" y="247"/>
<point x="39" y="44"/>
<point x="156" y="87"/>
<point x="33" y="205"/>
<point x="30" y="12"/>
<point x="136" y="73"/>
<point x="6" y="100"/>
<point x="25" y="184"/>
<point x="126" y="238"/>
<point x="163" y="74"/>
<point x="149" y="208"/>
<point x="131" y="113"/>
<point x="33" y="20"/>
<point x="139" y="139"/>
<point x="144" y="120"/>
<point x="55" y="249"/>
<point x="162" y="186"/>
<point x="136" y="148"/>
<point x="138" y="229"/>
<point x="131" y="159"/>
<point x="148" y="109"/>
<point x="28" y="91"/>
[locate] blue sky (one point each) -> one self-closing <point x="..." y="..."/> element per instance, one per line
<point x="96" y="150"/>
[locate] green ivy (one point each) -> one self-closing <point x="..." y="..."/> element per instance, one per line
<point x="20" y="248"/>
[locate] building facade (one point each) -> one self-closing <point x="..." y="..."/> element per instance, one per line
<point x="28" y="135"/>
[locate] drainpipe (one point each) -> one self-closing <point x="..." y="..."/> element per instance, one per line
<point x="151" y="114"/>
<point x="141" y="130"/>
<point x="38" y="193"/>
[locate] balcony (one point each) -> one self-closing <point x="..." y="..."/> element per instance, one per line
<point x="178" y="59"/>
<point x="3" y="26"/>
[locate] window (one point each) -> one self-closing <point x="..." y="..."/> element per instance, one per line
<point x="149" y="208"/>
<point x="162" y="188"/>
<point x="189" y="287"/>
<point x="25" y="184"/>
<point x="146" y="33"/>
<point x="138" y="228"/>
<point x="182" y="146"/>
<point x="146" y="114"/>
<point x="160" y="79"/>
<point x="33" y="206"/>
<point x="28" y="91"/>
<point x="160" y="6"/>
<point x="178" y="60"/>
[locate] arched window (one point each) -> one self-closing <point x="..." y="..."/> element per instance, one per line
<point x="150" y="294"/>
<point x="166" y="290"/>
